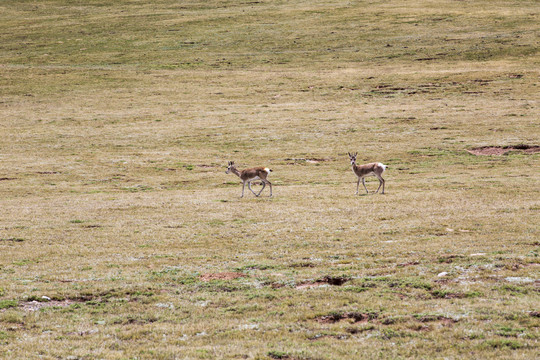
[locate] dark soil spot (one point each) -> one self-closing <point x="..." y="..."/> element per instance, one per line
<point x="431" y="318"/>
<point x="82" y="297"/>
<point x="443" y="281"/>
<point x="302" y="264"/>
<point x="134" y="321"/>
<point x="335" y="280"/>
<point x="6" y="178"/>
<point x="535" y="313"/>
<point x="501" y="150"/>
<point x="408" y="263"/>
<point x="449" y="258"/>
<point x="13" y="239"/>
<point x="354" y="316"/>
<point x="283" y="356"/>
<point x="221" y="276"/>
<point x="330" y="280"/>
<point x="358" y="330"/>
<point x="441" y="294"/>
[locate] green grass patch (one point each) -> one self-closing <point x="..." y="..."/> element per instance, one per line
<point x="6" y="304"/>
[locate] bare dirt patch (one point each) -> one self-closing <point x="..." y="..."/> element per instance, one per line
<point x="501" y="150"/>
<point x="221" y="276"/>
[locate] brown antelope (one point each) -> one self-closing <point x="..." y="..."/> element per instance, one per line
<point x="248" y="175"/>
<point x="372" y="169"/>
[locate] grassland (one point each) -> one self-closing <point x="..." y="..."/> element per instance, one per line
<point x="121" y="237"/>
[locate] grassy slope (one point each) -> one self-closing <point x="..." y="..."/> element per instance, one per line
<point x="118" y="121"/>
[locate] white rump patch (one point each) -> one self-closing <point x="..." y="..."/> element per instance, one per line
<point x="267" y="170"/>
<point x="382" y="165"/>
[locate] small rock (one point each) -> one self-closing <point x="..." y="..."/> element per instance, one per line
<point x="444" y="273"/>
<point x="46" y="298"/>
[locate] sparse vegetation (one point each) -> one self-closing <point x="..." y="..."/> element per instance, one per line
<point x="122" y="237"/>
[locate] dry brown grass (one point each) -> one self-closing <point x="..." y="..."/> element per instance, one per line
<point x="118" y="121"/>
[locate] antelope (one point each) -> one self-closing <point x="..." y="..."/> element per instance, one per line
<point x="248" y="175"/>
<point x="372" y="169"/>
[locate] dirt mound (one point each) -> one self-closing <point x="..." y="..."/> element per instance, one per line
<point x="327" y="280"/>
<point x="501" y="150"/>
<point x="221" y="276"/>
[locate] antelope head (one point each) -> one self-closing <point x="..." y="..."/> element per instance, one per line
<point x="353" y="158"/>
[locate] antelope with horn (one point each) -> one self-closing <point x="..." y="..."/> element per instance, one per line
<point x="249" y="175"/>
<point x="372" y="169"/>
